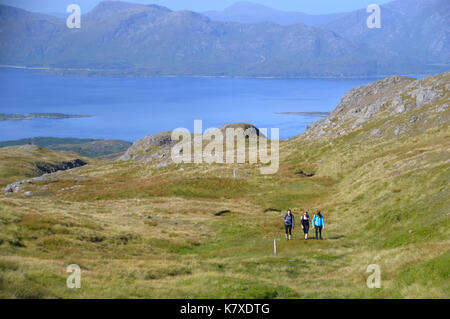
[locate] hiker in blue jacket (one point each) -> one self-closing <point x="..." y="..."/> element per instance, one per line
<point x="318" y="223"/>
<point x="288" y="224"/>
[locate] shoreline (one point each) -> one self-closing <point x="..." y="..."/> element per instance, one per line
<point x="46" y="116"/>
<point x="305" y="114"/>
<point x="103" y="74"/>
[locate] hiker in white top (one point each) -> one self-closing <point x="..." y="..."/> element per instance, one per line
<point x="305" y="224"/>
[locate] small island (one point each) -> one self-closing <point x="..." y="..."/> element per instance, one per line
<point x="317" y="114"/>
<point x="21" y="117"/>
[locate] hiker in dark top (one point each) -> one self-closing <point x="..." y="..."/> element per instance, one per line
<point x="318" y="223"/>
<point x="305" y="224"/>
<point x="288" y="224"/>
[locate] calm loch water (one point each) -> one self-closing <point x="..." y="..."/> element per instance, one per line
<point x="130" y="108"/>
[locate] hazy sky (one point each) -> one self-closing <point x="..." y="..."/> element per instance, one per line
<point x="307" y="6"/>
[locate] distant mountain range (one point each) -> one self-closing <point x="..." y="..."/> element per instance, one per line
<point x="249" y="12"/>
<point x="124" y="39"/>
<point x="417" y="29"/>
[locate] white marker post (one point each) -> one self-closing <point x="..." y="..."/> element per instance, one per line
<point x="274" y="246"/>
<point x="234" y="174"/>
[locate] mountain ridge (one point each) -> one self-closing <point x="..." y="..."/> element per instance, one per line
<point x="413" y="28"/>
<point x="154" y="41"/>
<point x="249" y="12"/>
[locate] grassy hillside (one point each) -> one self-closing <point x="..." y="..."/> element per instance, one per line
<point x="20" y="162"/>
<point x="83" y="146"/>
<point x="138" y="231"/>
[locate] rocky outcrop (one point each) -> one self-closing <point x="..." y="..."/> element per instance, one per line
<point x="249" y="130"/>
<point x="157" y="148"/>
<point x="150" y="148"/>
<point x="47" y="170"/>
<point x="222" y="212"/>
<point x="383" y="99"/>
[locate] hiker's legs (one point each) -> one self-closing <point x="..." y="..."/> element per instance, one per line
<point x="306" y="230"/>
<point x="288" y="230"/>
<point x="317" y="232"/>
<point x="320" y="231"/>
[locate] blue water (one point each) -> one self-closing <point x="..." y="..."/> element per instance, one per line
<point x="130" y="108"/>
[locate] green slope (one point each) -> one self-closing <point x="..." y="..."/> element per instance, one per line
<point x="20" y="162"/>
<point x="83" y="146"/>
<point x="139" y="231"/>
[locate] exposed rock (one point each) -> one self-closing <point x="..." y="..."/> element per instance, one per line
<point x="399" y="109"/>
<point x="47" y="168"/>
<point x="425" y="96"/>
<point x="157" y="148"/>
<point x="71" y="188"/>
<point x="304" y="174"/>
<point x="50" y="168"/>
<point x="12" y="188"/>
<point x="375" y="132"/>
<point x="249" y="130"/>
<point x="222" y="212"/>
<point x="414" y="119"/>
<point x="146" y="150"/>
<point x="385" y="98"/>
<point x="442" y="108"/>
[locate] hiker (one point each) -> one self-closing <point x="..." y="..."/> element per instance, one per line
<point x="305" y="224"/>
<point x="288" y="224"/>
<point x="318" y="223"/>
